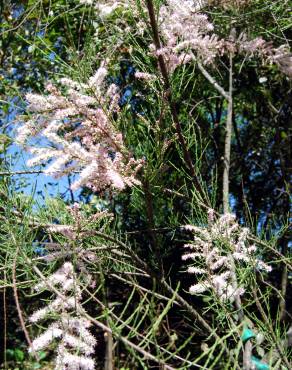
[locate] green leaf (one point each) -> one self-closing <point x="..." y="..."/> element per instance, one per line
<point x="284" y="135"/>
<point x="37" y="366"/>
<point x="10" y="353"/>
<point x="42" y="355"/>
<point x="19" y="355"/>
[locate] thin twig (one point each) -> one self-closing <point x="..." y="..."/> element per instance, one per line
<point x="150" y="218"/>
<point x="247" y="350"/>
<point x="19" y="311"/>
<point x="133" y="330"/>
<point x="5" y="323"/>
<point x="212" y="81"/>
<point x="142" y="288"/>
<point x="284" y="281"/>
<point x="171" y="102"/>
<point x="28" y="172"/>
<point x="99" y="324"/>
<point x="227" y="144"/>
<point x="271" y="329"/>
<point x="109" y="343"/>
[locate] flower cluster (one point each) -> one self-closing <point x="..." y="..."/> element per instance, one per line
<point x="215" y="249"/>
<point x="266" y="51"/>
<point x="76" y="119"/>
<point x="105" y="9"/>
<point x="145" y="76"/>
<point x="70" y="328"/>
<point x="186" y="34"/>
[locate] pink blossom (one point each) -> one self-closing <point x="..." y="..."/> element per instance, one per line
<point x="94" y="147"/>
<point x="217" y="246"/>
<point x="70" y="329"/>
<point x="185" y="32"/>
<point x="144" y="76"/>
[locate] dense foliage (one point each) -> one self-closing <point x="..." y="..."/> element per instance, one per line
<point x="171" y="123"/>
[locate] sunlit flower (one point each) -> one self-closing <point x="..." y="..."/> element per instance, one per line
<point x="78" y="123"/>
<point x="70" y="329"/>
<point x="214" y="249"/>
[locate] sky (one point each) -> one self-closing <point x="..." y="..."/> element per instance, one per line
<point x="39" y="185"/>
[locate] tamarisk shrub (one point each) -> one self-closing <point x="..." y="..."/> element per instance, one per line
<point x="76" y="123"/>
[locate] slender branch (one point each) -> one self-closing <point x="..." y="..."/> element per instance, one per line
<point x="227" y="149"/>
<point x="212" y="81"/>
<point x="109" y="343"/>
<point x="227" y="145"/>
<point x="151" y="224"/>
<point x="171" y="102"/>
<point x="4" y="324"/>
<point x="247" y="351"/>
<point x="99" y="324"/>
<point x="271" y="329"/>
<point x="150" y="218"/>
<point x="15" y="292"/>
<point x="247" y="355"/>
<point x="284" y="282"/>
<point x="108" y="363"/>
<point x="134" y="330"/>
<point x="27" y="172"/>
<point x="14" y="173"/>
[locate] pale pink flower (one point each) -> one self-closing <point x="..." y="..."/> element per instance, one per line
<point x="86" y="2"/>
<point x="218" y="263"/>
<point x="217" y="246"/>
<point x="185" y="33"/>
<point x="196" y="270"/>
<point x="105" y="10"/>
<point x="97" y="80"/>
<point x="70" y="329"/>
<point x="66" y="360"/>
<point x="77" y="121"/>
<point x="263" y="266"/>
<point x="199" y="288"/>
<point x="145" y="76"/>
